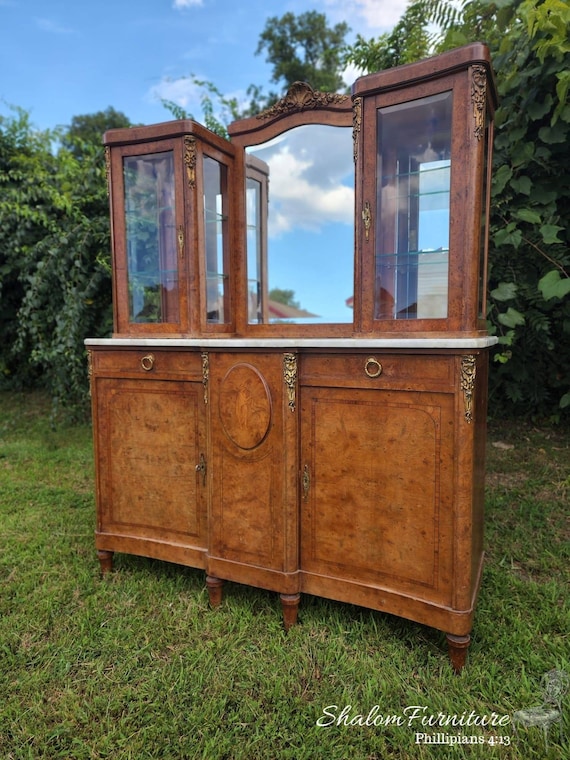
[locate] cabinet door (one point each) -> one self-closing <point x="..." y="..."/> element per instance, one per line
<point x="150" y="435"/>
<point x="253" y="530"/>
<point x="377" y="490"/>
<point x="148" y="238"/>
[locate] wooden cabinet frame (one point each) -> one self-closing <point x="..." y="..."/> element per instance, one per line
<point x="278" y="447"/>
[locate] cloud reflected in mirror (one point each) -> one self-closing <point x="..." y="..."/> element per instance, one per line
<point x="309" y="229"/>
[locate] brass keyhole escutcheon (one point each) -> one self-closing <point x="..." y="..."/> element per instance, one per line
<point x="147" y="362"/>
<point x="372" y="367"/>
<point x="306" y="482"/>
<point x="201" y="468"/>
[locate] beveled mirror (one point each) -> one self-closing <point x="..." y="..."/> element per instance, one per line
<point x="299" y="204"/>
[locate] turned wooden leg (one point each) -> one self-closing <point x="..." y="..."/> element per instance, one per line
<point x="214" y="586"/>
<point x="290" y="607"/>
<point x="105" y="561"/>
<point x="458" y="646"/>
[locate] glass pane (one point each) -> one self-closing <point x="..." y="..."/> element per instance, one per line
<point x="215" y="238"/>
<point x="412" y="235"/>
<point x="152" y="263"/>
<point x="254" y="232"/>
<point x="305" y="241"/>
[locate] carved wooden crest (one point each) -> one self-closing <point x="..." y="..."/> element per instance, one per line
<point x="301" y="97"/>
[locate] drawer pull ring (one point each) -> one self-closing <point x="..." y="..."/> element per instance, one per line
<point x="147" y="362"/>
<point x="372" y="367"/>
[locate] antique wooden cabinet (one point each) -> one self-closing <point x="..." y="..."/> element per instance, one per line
<point x="294" y="396"/>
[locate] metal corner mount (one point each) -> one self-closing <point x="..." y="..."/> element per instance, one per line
<point x="290" y="377"/>
<point x="205" y="374"/>
<point x="479" y="98"/>
<point x="367" y="219"/>
<point x="468" y="372"/>
<point x="190" y="160"/>
<point x="356" y="125"/>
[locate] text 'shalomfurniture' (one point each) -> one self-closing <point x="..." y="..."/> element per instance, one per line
<point x="294" y="396"/>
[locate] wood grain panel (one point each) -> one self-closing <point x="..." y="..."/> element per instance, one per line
<point x="253" y="442"/>
<point x="399" y="371"/>
<point x="244" y="406"/>
<point x="151" y="434"/>
<point x="378" y="509"/>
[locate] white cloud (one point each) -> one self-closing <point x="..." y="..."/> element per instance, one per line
<point x="367" y="17"/>
<point x="186" y="93"/>
<point x="310" y="179"/>
<point x="52" y="26"/>
<point x="178" y="4"/>
<point x="182" y="91"/>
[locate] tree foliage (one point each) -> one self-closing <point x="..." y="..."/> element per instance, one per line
<point x="218" y="110"/>
<point x="299" y="48"/>
<point x="408" y="41"/>
<point x="529" y="258"/>
<point x="55" y="279"/>
<point x="88" y="129"/>
<point x="304" y="49"/>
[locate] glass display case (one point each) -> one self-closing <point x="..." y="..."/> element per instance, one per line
<point x="294" y="395"/>
<point x="170" y="204"/>
<point x="425" y="194"/>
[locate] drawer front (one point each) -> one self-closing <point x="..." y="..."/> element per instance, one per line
<point x="147" y="362"/>
<point x="377" y="369"/>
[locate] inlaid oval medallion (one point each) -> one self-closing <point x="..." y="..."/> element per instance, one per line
<point x="245" y="406"/>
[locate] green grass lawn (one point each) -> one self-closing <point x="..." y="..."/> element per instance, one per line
<point x="138" y="666"/>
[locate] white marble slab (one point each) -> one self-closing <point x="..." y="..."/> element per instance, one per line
<point x="294" y="343"/>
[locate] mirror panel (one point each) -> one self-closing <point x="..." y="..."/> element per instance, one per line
<point x="300" y="226"/>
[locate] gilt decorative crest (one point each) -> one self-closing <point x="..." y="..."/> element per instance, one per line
<point x="301" y="97"/>
<point x="190" y="160"/>
<point x="479" y="98"/>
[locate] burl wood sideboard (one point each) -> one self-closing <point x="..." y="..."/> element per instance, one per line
<point x="294" y="396"/>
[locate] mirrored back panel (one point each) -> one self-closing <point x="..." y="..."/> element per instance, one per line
<point x="299" y="207"/>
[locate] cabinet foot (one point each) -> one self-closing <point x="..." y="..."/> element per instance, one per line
<point x="105" y="561"/>
<point x="215" y="587"/>
<point x="458" y="646"/>
<point x="290" y="607"/>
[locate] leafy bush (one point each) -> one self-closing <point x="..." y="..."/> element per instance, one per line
<point x="530" y="254"/>
<point x="55" y="286"/>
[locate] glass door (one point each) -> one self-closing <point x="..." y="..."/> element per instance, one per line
<point x="216" y="244"/>
<point x="151" y="239"/>
<point x="412" y="233"/>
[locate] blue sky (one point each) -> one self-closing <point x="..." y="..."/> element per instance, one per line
<point x="59" y="59"/>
